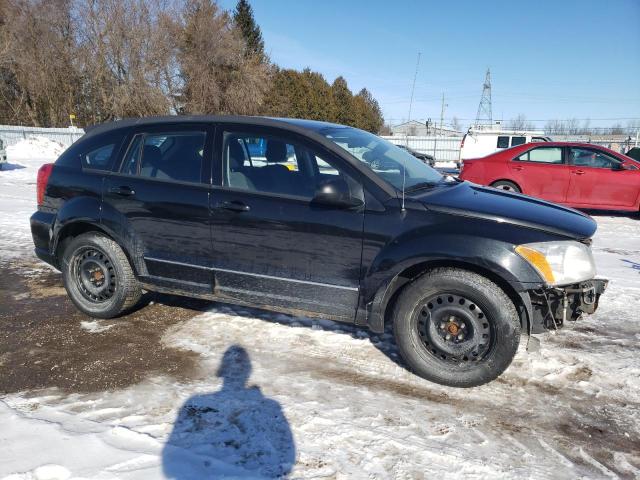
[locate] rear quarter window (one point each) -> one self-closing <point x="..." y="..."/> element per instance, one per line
<point x="503" y="142"/>
<point x="99" y="158"/>
<point x="90" y="153"/>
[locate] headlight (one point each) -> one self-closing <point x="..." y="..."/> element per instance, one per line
<point x="559" y="263"/>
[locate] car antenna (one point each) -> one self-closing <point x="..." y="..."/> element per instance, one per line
<point x="404" y="174"/>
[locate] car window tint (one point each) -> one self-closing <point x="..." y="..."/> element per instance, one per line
<point x="585" y="157"/>
<point x="98" y="158"/>
<point x="130" y="163"/>
<point x="503" y="142"/>
<point x="271" y="164"/>
<point x="552" y="155"/>
<point x="518" y="141"/>
<point x="172" y="156"/>
<point x="325" y="168"/>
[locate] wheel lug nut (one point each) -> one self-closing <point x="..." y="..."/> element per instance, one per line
<point x="460" y="336"/>
<point x="463" y="326"/>
<point x="442" y="326"/>
<point x="448" y="337"/>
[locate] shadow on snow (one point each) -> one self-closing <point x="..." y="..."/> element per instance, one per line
<point x="234" y="432"/>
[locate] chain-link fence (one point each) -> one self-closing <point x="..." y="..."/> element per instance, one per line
<point x="10" y="134"/>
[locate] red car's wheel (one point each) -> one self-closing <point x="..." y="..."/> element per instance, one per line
<point x="506" y="185"/>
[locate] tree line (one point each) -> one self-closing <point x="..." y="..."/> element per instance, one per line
<point x="101" y="60"/>
<point x="574" y="126"/>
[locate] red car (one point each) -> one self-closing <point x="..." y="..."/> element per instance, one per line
<point x="579" y="175"/>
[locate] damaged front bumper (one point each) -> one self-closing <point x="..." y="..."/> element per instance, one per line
<point x="552" y="307"/>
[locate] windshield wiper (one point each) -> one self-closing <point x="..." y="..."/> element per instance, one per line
<point x="421" y="185"/>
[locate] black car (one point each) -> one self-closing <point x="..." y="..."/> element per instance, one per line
<point x="424" y="157"/>
<point x="634" y="153"/>
<point x="307" y="226"/>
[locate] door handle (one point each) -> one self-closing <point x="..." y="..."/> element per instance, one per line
<point x="234" y="206"/>
<point x="123" y="191"/>
<point x="518" y="168"/>
<point x="578" y="172"/>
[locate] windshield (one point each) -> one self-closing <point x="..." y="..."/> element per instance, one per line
<point x="384" y="158"/>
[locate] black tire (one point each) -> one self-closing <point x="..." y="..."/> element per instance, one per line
<point x="507" y="185"/>
<point x="490" y="321"/>
<point x="98" y="277"/>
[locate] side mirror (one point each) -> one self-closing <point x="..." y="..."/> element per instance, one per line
<point x="623" y="166"/>
<point x="335" y="193"/>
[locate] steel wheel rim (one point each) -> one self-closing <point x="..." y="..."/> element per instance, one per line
<point x="508" y="188"/>
<point x="93" y="274"/>
<point x="454" y="329"/>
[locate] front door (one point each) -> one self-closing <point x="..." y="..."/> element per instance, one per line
<point x="272" y="245"/>
<point x="596" y="182"/>
<point x="161" y="195"/>
<point x="542" y="172"/>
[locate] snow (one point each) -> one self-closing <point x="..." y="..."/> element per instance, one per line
<point x="18" y="192"/>
<point x="35" y="147"/>
<point x="277" y="395"/>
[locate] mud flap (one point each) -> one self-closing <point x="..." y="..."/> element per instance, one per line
<point x="533" y="344"/>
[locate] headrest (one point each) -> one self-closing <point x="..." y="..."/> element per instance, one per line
<point x="151" y="155"/>
<point x="276" y="151"/>
<point x="236" y="154"/>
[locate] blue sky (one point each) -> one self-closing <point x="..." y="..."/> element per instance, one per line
<point x="548" y="59"/>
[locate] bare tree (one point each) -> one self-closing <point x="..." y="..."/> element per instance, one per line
<point x="217" y="76"/>
<point x="520" y="123"/>
<point x="37" y="62"/>
<point x="455" y="124"/>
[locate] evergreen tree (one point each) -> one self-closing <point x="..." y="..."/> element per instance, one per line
<point x="244" y="21"/>
<point x="343" y="101"/>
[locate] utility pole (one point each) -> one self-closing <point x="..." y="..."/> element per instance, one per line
<point x="435" y="139"/>
<point x="442" y="113"/>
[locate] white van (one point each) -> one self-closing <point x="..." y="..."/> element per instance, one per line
<point x="480" y="143"/>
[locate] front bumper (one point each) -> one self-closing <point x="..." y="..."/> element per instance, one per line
<point x="552" y="307"/>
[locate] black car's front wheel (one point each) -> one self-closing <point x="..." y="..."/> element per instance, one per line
<point x="456" y="328"/>
<point x="98" y="277"/>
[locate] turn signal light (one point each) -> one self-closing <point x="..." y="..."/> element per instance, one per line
<point x="538" y="260"/>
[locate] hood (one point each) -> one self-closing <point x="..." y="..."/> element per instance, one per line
<point x="472" y="200"/>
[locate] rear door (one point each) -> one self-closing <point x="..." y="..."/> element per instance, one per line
<point x="272" y="246"/>
<point x="595" y="181"/>
<point x="542" y="172"/>
<point x="159" y="199"/>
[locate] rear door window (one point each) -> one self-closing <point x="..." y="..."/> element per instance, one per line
<point x="518" y="141"/>
<point x="550" y="155"/>
<point x="166" y="156"/>
<point x="503" y="142"/>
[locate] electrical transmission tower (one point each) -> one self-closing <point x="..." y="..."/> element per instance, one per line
<point x="484" y="109"/>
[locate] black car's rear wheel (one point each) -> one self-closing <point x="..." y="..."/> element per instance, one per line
<point x="456" y="328"/>
<point x="98" y="277"/>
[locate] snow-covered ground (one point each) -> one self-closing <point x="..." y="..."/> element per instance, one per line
<point x="277" y="395"/>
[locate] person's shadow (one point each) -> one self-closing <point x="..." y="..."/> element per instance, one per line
<point x="235" y="432"/>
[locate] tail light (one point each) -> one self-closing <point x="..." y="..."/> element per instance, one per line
<point x="43" y="178"/>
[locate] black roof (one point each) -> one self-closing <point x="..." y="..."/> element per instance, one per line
<point x="296" y="123"/>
